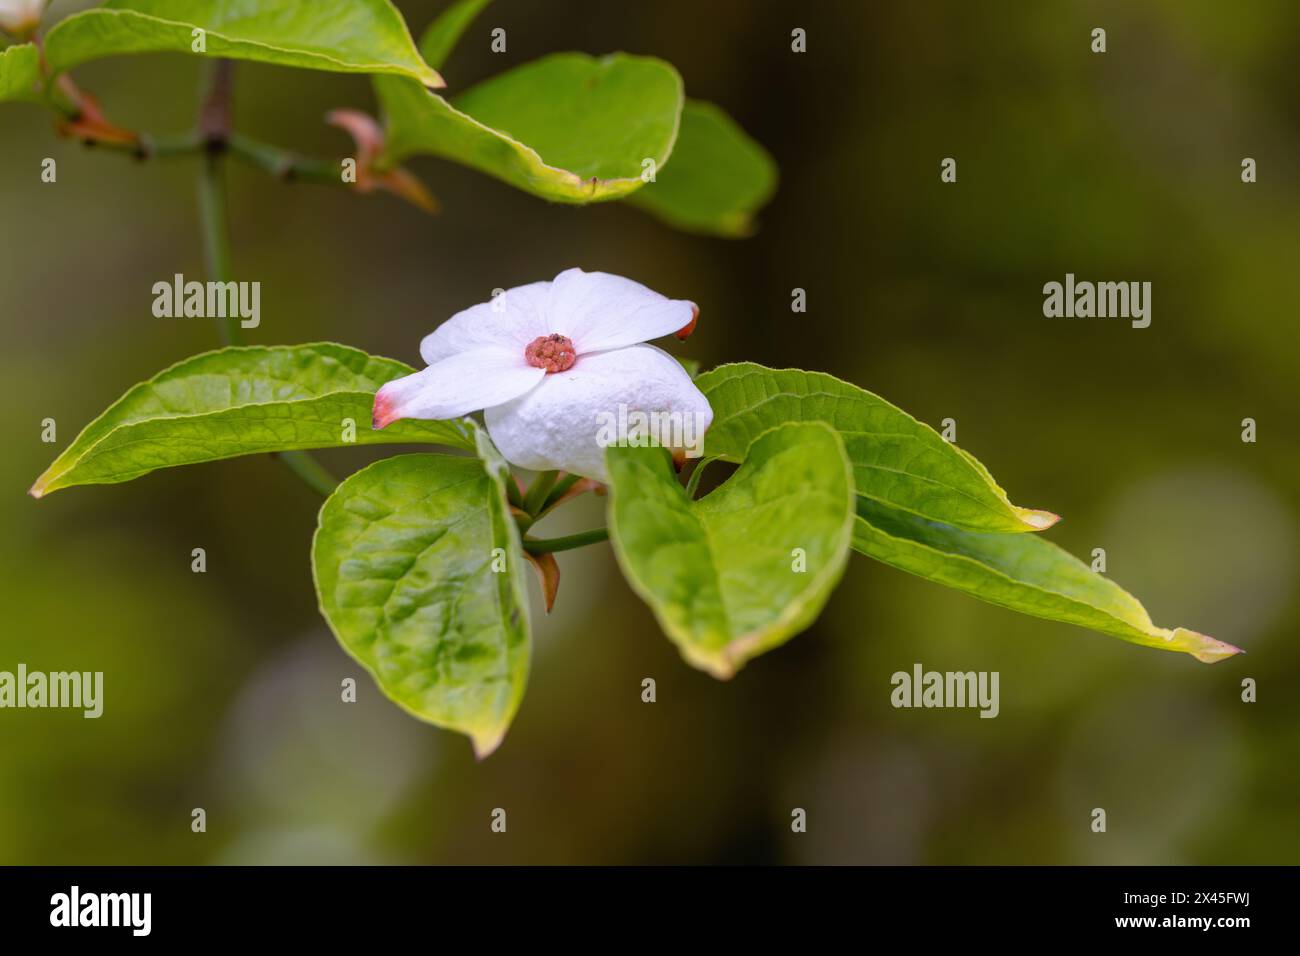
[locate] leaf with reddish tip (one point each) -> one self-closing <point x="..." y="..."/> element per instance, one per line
<point x="1023" y="572"/>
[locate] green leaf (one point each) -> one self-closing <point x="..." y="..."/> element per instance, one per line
<point x="896" y="459"/>
<point x="403" y="561"/>
<point x="1023" y="572"/>
<point x="721" y="573"/>
<point x="341" y="36"/>
<point x="568" y="127"/>
<point x="20" y="73"/>
<point x="445" y="32"/>
<point x="716" y="178"/>
<point x="239" y="401"/>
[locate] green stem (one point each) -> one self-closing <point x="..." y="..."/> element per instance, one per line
<point x="567" y="543"/>
<point x="214" y="213"/>
<point x="311" y="471"/>
<point x="693" y="483"/>
<point x="213" y="137"/>
<point x="162" y="147"/>
<point x="513" y="494"/>
<point x="283" y="164"/>
<point x="215" y="223"/>
<point x="539" y="490"/>
<point x="557" y="492"/>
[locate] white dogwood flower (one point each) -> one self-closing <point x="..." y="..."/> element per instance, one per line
<point x="20" y="17"/>
<point x="552" y="364"/>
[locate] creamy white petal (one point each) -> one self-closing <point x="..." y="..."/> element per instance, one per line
<point x="565" y="422"/>
<point x="510" y="321"/>
<point x="457" y="385"/>
<point x="599" y="311"/>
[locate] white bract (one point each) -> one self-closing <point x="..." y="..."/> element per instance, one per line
<point x="19" y="17"/>
<point x="553" y="363"/>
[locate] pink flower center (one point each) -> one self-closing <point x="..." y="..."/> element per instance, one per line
<point x="555" y="353"/>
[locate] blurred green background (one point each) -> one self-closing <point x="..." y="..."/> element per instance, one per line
<point x="222" y="690"/>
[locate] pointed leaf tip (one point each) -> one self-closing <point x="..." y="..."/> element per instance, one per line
<point x="404" y="184"/>
<point x="406" y="564"/>
<point x="485" y="745"/>
<point x="548" y="575"/>
<point x="1038" y="520"/>
<point x="1022" y="572"/>
<point x="1206" y="649"/>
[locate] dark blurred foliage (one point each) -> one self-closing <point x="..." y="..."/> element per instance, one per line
<point x="222" y="690"/>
